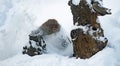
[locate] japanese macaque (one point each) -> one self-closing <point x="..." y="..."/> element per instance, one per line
<point x="100" y="9"/>
<point x="51" y="38"/>
<point x="47" y="28"/>
<point x="51" y="26"/>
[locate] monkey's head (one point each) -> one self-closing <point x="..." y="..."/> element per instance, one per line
<point x="50" y="26"/>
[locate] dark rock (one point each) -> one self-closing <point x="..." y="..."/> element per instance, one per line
<point x="32" y="51"/>
<point x="86" y="44"/>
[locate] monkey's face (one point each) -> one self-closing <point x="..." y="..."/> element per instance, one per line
<point x="51" y="26"/>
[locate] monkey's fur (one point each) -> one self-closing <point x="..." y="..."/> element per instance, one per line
<point x="50" y="26"/>
<point x="47" y="28"/>
<point x="48" y="39"/>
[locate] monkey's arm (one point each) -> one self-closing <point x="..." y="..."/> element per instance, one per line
<point x="38" y="32"/>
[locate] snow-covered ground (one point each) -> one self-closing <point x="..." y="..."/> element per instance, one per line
<point x="19" y="17"/>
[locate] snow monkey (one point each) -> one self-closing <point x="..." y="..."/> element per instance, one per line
<point x="47" y="28"/>
<point x="51" y="38"/>
<point x="51" y="26"/>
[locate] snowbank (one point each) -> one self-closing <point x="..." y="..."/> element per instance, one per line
<point x="43" y="60"/>
<point x="14" y="34"/>
<point x="25" y="15"/>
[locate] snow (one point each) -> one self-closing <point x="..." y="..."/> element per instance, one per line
<point x="14" y="34"/>
<point x="88" y="1"/>
<point x="22" y="16"/>
<point x="76" y="2"/>
<point x="5" y="5"/>
<point x="84" y="28"/>
<point x="43" y="60"/>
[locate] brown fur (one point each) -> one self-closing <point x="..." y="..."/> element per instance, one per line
<point x="50" y="26"/>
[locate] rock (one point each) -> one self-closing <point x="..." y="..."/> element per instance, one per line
<point x="36" y="46"/>
<point x="86" y="43"/>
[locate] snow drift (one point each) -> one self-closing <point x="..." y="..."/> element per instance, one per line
<point x="24" y="15"/>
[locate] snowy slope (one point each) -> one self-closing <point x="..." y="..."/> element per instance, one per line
<point x="43" y="60"/>
<point x="22" y="16"/>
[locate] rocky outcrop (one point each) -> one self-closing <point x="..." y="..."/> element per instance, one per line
<point x="36" y="46"/>
<point x="88" y="38"/>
